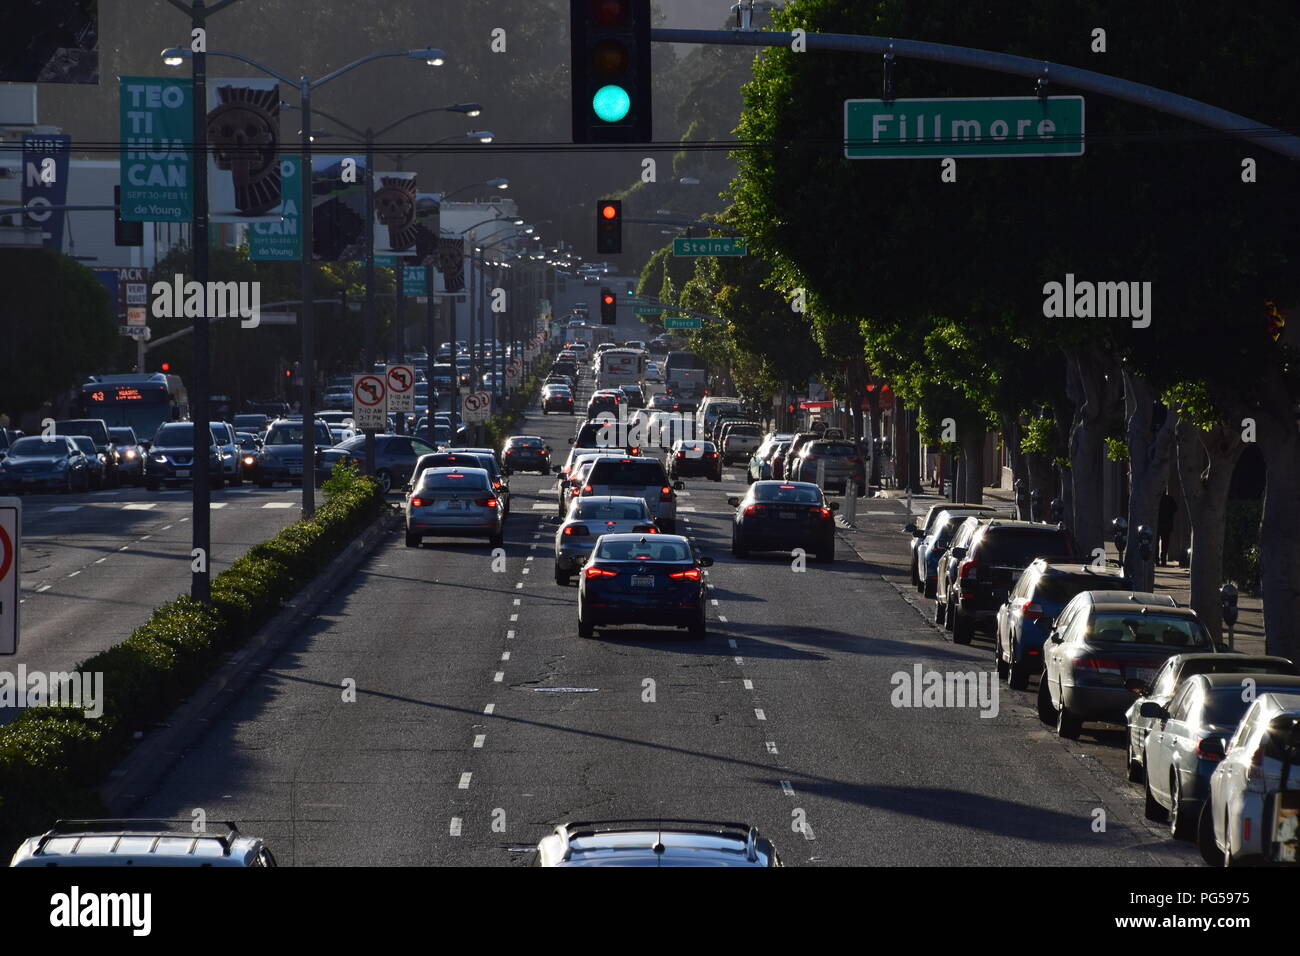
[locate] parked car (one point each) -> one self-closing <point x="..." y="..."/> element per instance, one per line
<point x="35" y="463"/>
<point x="694" y="459"/>
<point x="781" y="516"/>
<point x="949" y="564"/>
<point x="454" y="502"/>
<point x="587" y="520"/>
<point x="1254" y="801"/>
<point x="930" y="542"/>
<point x="839" y="461"/>
<point x="526" y="453"/>
<point x="1103" y="639"/>
<point x="1184" y="751"/>
<point x="990" y="565"/>
<point x="1024" y="620"/>
<point x="1161" y="688"/>
<point x="656" y="843"/>
<point x="137" y="843"/>
<point x="926" y="527"/>
<point x="643" y="579"/>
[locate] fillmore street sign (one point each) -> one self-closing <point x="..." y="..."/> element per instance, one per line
<point x="991" y="127"/>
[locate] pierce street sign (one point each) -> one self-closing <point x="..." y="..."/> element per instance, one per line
<point x="683" y="323"/>
<point x="994" y="127"/>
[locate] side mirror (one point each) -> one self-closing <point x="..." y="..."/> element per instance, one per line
<point x="835" y="506"/>
<point x="1151" y="709"/>
<point x="1136" y="685"/>
<point x="705" y="561"/>
<point x="572" y="440"/>
<point x="1055" y="636"/>
<point x="911" y="528"/>
<point x="733" y="500"/>
<point x="959" y="553"/>
<point x="679" y="485"/>
<point x="556" y="469"/>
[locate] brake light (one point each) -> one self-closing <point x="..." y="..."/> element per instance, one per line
<point x="485" y="502"/>
<point x="713" y="454"/>
<point x="691" y="573"/>
<point x="755" y="510"/>
<point x="824" y="512"/>
<point x="787" y="487"/>
<point x="680" y="454"/>
<point x="510" y="451"/>
<point x="1209" y="748"/>
<point x="853" y="460"/>
<point x="586" y="489"/>
<point x="600" y="573"/>
<point x="646" y="529"/>
<point x="417" y="502"/>
<point x="577" y="530"/>
<point x="965" y="567"/>
<point x="1101" y="665"/>
<point x="666" y="493"/>
<point x="1031" y="610"/>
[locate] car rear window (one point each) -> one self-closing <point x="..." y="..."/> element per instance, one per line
<point x="832" y="450"/>
<point x="611" y="511"/>
<point x="467" y="480"/>
<point x="796" y="494"/>
<point x="526" y="443"/>
<point x="752" y="430"/>
<point x="647" y="549"/>
<point x="1225" y="706"/>
<point x="1060" y="588"/>
<point x="630" y="473"/>
<point x="1154" y="629"/>
<point x="1018" y="547"/>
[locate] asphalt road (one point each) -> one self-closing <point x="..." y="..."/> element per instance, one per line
<point x="96" y="564"/>
<point x="481" y="719"/>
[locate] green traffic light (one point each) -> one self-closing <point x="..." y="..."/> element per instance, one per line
<point x="611" y="103"/>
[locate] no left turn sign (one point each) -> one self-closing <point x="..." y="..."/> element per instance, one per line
<point x="369" y="401"/>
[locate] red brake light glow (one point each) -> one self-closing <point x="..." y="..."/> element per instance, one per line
<point x="692" y="573"/>
<point x="577" y="530"/>
<point x="600" y="573"/>
<point x="417" y="502"/>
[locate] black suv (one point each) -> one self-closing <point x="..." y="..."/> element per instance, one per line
<point x="988" y="568"/>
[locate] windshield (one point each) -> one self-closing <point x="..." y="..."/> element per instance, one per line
<point x="1017" y="548"/>
<point x="83" y="426"/>
<point x="631" y="473"/>
<point x="467" y="480"/>
<point x="85" y="444"/>
<point x="177" y="433"/>
<point x="1157" y="629"/>
<point x="122" y="436"/>
<point x="291" y="433"/>
<point x="38" y="446"/>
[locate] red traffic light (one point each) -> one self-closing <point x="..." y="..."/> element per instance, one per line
<point x="166" y="366"/>
<point x="608" y="300"/>
<point x="608" y="211"/>
<point x="288" y="373"/>
<point x="610" y="13"/>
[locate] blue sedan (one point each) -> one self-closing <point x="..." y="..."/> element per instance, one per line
<point x="643" y="579"/>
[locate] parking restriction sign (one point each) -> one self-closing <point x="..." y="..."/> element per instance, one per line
<point x="400" y="380"/>
<point x="11" y="522"/>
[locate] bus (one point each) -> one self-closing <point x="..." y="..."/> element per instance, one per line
<point x="141" y="401"/>
<point x="685" y="376"/>
<point x="620" y="367"/>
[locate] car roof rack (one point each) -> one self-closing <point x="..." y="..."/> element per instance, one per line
<point x="122" y="827"/>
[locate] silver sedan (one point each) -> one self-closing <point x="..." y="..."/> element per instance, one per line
<point x="589" y="518"/>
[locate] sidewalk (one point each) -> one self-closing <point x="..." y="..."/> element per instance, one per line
<point x="1248" y="635"/>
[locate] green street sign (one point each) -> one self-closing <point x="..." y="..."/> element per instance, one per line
<point x="711" y="246"/>
<point x="648" y="310"/>
<point x="964" y="127"/>
<point x="687" y="323"/>
<point x="280" y="241"/>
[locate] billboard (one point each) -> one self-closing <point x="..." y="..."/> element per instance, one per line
<point x="338" y="202"/>
<point x="243" y="130"/>
<point x="157" y="122"/>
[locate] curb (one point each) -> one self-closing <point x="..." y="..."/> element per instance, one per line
<point x="132" y="780"/>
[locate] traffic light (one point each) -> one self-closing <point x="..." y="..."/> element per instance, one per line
<point x="611" y="70"/>
<point x="608" y="307"/>
<point x="166" y="366"/>
<point x="288" y="374"/>
<point x="609" y="225"/>
<point x="125" y="233"/>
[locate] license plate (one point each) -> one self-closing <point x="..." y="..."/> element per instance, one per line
<point x="788" y="514"/>
<point x="295" y="469"/>
<point x="29" y="481"/>
<point x="455" y="506"/>
<point x="642" y="581"/>
<point x="1142" y="673"/>
<point x="182" y="472"/>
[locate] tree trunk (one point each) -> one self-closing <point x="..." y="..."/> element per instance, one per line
<point x="1205" y="493"/>
<point x="1087" y="387"/>
<point x="1279" y="533"/>
<point x="1148" y="468"/>
<point x="1012" y="433"/>
<point x="972" y="454"/>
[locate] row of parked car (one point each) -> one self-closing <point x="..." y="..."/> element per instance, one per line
<point x="1212" y="736"/>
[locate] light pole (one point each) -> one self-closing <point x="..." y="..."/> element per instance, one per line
<point x="305" y="85"/>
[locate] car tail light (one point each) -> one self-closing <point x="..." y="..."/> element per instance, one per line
<point x="755" y="510"/>
<point x="1209" y="748"/>
<point x="680" y="454"/>
<point x="577" y="530"/>
<point x="713" y="454"/>
<point x="692" y="573"/>
<point x="824" y="512"/>
<point x="853" y="460"/>
<point x="510" y="451"/>
<point x="965" y="568"/>
<point x="635" y="451"/>
<point x="666" y="493"/>
<point x="586" y="489"/>
<point x="1101" y="665"/>
<point x="485" y="502"/>
<point x="600" y="573"/>
<point x="1031" y="610"/>
<point x="645" y="529"/>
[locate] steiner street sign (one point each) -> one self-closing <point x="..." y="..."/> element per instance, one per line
<point x="991" y="127"/>
<point x="712" y="246"/>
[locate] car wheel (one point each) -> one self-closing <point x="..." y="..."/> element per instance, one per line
<point x="1210" y="851"/>
<point x="585" y="627"/>
<point x="1046" y="710"/>
<point x="1068" y="723"/>
<point x="1180" y="823"/>
<point x="262" y="483"/>
<point x="1017" y="676"/>
<point x="940" y="612"/>
<point x="152" y="484"/>
<point x="497" y="540"/>
<point x="698" y="629"/>
<point x="1152" y="809"/>
<point x="412" y="540"/>
<point x="948" y="614"/>
<point x="1004" y="669"/>
<point x="385" y="479"/>
<point x="963" y="629"/>
<point x="561" y="577"/>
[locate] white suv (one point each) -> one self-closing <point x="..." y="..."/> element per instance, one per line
<point x="637" y="477"/>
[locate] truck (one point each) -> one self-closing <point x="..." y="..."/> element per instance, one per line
<point x="685" y="376"/>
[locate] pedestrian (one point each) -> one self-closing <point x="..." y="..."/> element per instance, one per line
<point x="1165" y="525"/>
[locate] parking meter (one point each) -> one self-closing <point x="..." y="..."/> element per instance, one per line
<point x="1228" y="603"/>
<point x="1119" y="534"/>
<point x="1145" y="538"/>
<point x="1036" y="504"/>
<point x="1058" y="510"/>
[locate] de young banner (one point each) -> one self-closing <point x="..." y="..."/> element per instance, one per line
<point x="156" y="123"/>
<point x="280" y="240"/>
<point x="243" y="131"/>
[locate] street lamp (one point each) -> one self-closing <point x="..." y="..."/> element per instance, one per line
<point x="432" y="57"/>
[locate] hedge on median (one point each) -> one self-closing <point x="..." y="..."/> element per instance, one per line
<point x="52" y="760"/>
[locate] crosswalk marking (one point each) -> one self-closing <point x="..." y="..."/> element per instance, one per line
<point x="140" y="506"/>
<point x="278" y="504"/>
